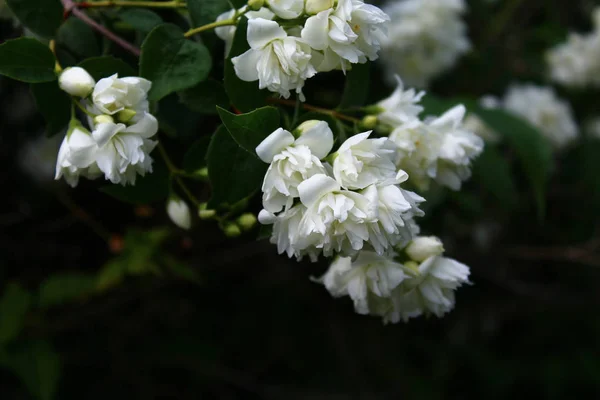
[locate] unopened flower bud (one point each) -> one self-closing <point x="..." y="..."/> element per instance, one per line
<point x="202" y="173"/>
<point x="424" y="247"/>
<point x="305" y="126"/>
<point x="103" y="119"/>
<point x="247" y="221"/>
<point x="232" y="230"/>
<point x="369" y="122"/>
<point x="179" y="212"/>
<point x="204" y="213"/>
<point x="313" y="7"/>
<point x="256" y="5"/>
<point x="76" y="81"/>
<point x="126" y="115"/>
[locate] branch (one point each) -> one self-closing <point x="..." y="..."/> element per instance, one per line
<point x="71" y="8"/>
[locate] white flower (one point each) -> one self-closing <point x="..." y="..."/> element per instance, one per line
<point x="543" y="109"/>
<point x="292" y="162"/>
<point x="279" y="62"/>
<point x="114" y="94"/>
<point x="401" y="106"/>
<point x="286" y="9"/>
<point x="371" y="25"/>
<point x="369" y="280"/>
<point x="313" y="7"/>
<point x="335" y="220"/>
<point x="179" y="212"/>
<point x="424" y="247"/>
<point x="425" y="38"/>
<point x="361" y="162"/>
<point x="76" y="81"/>
<point x="76" y="156"/>
<point x="227" y="33"/>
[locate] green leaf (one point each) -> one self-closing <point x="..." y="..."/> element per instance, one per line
<point x="234" y="173"/>
<point x="111" y="275"/>
<point x="172" y="62"/>
<point x="64" y="288"/>
<point x="533" y="150"/>
<point x="356" y="88"/>
<point x="42" y="17"/>
<point x="75" y="42"/>
<point x="492" y="172"/>
<point x="53" y="104"/>
<point x="203" y="12"/>
<point x="245" y="96"/>
<point x="38" y="366"/>
<point x="14" y="304"/>
<point x="195" y="157"/>
<point x="248" y="130"/>
<point x="27" y="60"/>
<point x="141" y="19"/>
<point x="147" y="189"/>
<point x="205" y="97"/>
<point x="103" y="67"/>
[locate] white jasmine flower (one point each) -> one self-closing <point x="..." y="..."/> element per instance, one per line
<point x="114" y="94"/>
<point x="371" y="25"/>
<point x="424" y="247"/>
<point x="227" y="33"/>
<point x="313" y="7"/>
<point x="76" y="156"/>
<point x="361" y="162"/>
<point x="401" y="106"/>
<point x="123" y="151"/>
<point x="179" y="212"/>
<point x="76" y="81"/>
<point x="292" y="162"/>
<point x="279" y="62"/>
<point x="543" y="109"/>
<point x="369" y="280"/>
<point x="425" y="38"/>
<point x="286" y="230"/>
<point x="286" y="9"/>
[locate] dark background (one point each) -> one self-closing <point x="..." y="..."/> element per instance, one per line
<point x="251" y="325"/>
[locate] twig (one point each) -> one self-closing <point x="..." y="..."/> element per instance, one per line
<point x="320" y="110"/>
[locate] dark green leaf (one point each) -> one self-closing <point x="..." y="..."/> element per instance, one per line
<point x="356" y="89"/>
<point x="148" y="189"/>
<point x="27" y="60"/>
<point x="103" y="67"/>
<point x="172" y="62"/>
<point x="75" y="42"/>
<point x="248" y="130"/>
<point x="141" y="19"/>
<point x="205" y="97"/>
<point x="42" y="17"/>
<point x="492" y="172"/>
<point x="63" y="288"/>
<point x="14" y="304"/>
<point x="234" y="173"/>
<point x="53" y="104"/>
<point x="38" y="366"/>
<point x="245" y="96"/>
<point x="203" y="12"/>
<point x="533" y="150"/>
<point x="195" y="157"/>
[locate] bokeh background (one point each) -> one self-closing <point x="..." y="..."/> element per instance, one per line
<point x="117" y="303"/>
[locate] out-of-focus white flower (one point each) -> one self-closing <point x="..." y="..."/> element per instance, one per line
<point x="292" y="162"/>
<point x="369" y="280"/>
<point x="114" y="94"/>
<point x="543" y="109"/>
<point x="424" y="247"/>
<point x="361" y="162"/>
<point x="286" y="9"/>
<point x="179" y="212"/>
<point x="401" y="106"/>
<point x="425" y="38"/>
<point x="76" y="156"/>
<point x="76" y="81"/>
<point x="279" y="62"/>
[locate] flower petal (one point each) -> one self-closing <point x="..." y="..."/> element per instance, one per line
<point x="274" y="144"/>
<point x="312" y="189"/>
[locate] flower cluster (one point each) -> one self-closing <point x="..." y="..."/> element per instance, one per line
<point x="118" y="142"/>
<point x="576" y="62"/>
<point x="292" y="40"/>
<point x="388" y="287"/>
<point x="425" y="38"/>
<point x="436" y="148"/>
<point x="352" y="201"/>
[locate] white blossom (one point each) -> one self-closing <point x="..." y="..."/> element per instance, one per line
<point x="313" y="7"/>
<point x="114" y="94"/>
<point x="76" y="81"/>
<point x="425" y="38"/>
<point x="76" y="156"/>
<point x="179" y="212"/>
<point x="361" y="162"/>
<point x="423" y="247"/>
<point x="541" y="107"/>
<point x="279" y="62"/>
<point x="402" y="106"/>
<point x="227" y="33"/>
<point x="286" y="9"/>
